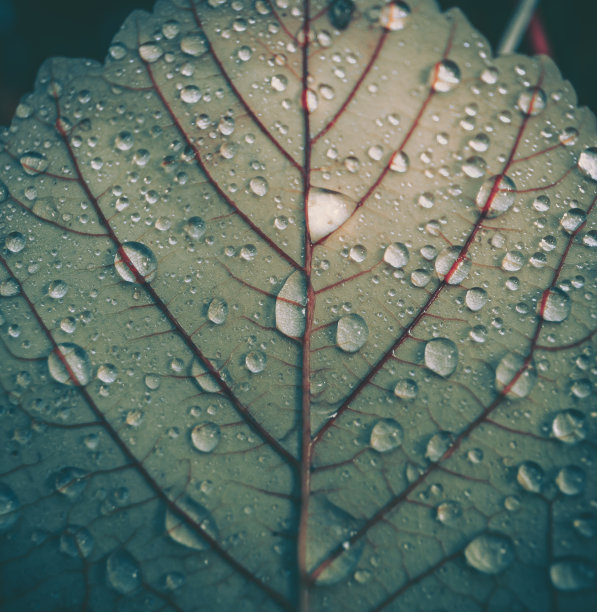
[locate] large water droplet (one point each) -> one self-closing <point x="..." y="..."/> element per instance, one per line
<point x="587" y="163"/>
<point x="255" y="361"/>
<point x="446" y="269"/>
<point x="69" y="364"/>
<point x="124" y="140"/>
<point x="475" y="298"/>
<point x="14" y="242"/>
<point x="394" y="15"/>
<point x="204" y="379"/>
<point x="571" y="480"/>
<point x="9" y="507"/>
<point x="386" y="435"/>
<point x="191" y="94"/>
<point x="351" y="333"/>
<point x="327" y="210"/>
<point x="569" y="426"/>
<point x="572" y="220"/>
<point x="135" y="263"/>
<point x="438" y="445"/>
<point x="195" y="227"/>
<point x="396" y="255"/>
<point x="290" y="306"/>
<point x="530" y="476"/>
<point x="441" y="356"/>
<point x="406" y="389"/>
<point x="508" y="368"/>
<point x="556" y="306"/>
<point x="122" y="571"/>
<point x="570" y="574"/>
<point x="33" y="163"/>
<point x="206" y="436"/>
<point x="217" y="311"/>
<point x="490" y="553"/>
<point x="57" y="289"/>
<point x="448" y="512"/>
<point x="184" y="531"/>
<point x="70" y="482"/>
<point x="150" y="52"/>
<point x="532" y="101"/>
<point x="496" y="195"/>
<point x="399" y="162"/>
<point x="76" y="542"/>
<point x="445" y="76"/>
<point x="259" y="186"/>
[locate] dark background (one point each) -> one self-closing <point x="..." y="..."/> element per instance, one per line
<point x="32" y="30"/>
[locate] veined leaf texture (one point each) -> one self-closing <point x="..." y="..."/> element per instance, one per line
<point x="298" y="313"/>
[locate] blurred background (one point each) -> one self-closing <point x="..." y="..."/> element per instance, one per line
<point x="32" y="30"/>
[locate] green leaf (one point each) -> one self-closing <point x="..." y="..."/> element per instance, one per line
<point x="298" y="313"/>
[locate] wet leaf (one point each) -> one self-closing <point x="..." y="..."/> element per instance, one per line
<point x="298" y="312"/>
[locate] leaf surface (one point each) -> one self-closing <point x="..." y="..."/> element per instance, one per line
<point x="298" y="313"/>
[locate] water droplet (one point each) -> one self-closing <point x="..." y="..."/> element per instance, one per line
<point x="195" y="227"/>
<point x="445" y="76"/>
<point x="327" y="210"/>
<point x="150" y="52"/>
<point x="192" y="45"/>
<point x="33" y="163"/>
<point x="57" y="289"/>
<point x="204" y="379"/>
<point x="217" y="312"/>
<point x="581" y="388"/>
<point x="290" y="306"/>
<point x="479" y="143"/>
<point x="394" y="15"/>
<point x="206" y="436"/>
<point x="386" y="435"/>
<point x="124" y="141"/>
<point x="570" y="574"/>
<point x="259" y="186"/>
<point x="190" y="94"/>
<point x="9" y="507"/>
<point x="183" y="531"/>
<point x="569" y="426"/>
<point x="351" y="333"/>
<point x="532" y="101"/>
<point x="490" y="75"/>
<point x="123" y="572"/>
<point x="572" y="219"/>
<point x="587" y="163"/>
<point x="107" y="373"/>
<point x="14" y="242"/>
<point x="586" y="525"/>
<point x="445" y="266"/>
<point x="70" y="482"/>
<point x="396" y="255"/>
<point x="509" y="368"/>
<point x="474" y="167"/>
<point x="399" y="162"/>
<point x="475" y="298"/>
<point x="255" y="361"/>
<point x="76" y="542"/>
<point x="358" y="253"/>
<point x="135" y="263"/>
<point x="530" y="476"/>
<point x="406" y="389"/>
<point x="448" y="512"/>
<point x="438" y="445"/>
<point x="117" y="51"/>
<point x="490" y="553"/>
<point x="420" y="277"/>
<point x="279" y="82"/>
<point x="69" y="364"/>
<point x="441" y="356"/>
<point x="556" y="307"/>
<point x="496" y="195"/>
<point x="571" y="480"/>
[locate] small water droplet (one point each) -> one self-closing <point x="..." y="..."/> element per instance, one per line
<point x="445" y="76"/>
<point x="14" y="242"/>
<point x="192" y="45"/>
<point x="122" y="571"/>
<point x="107" y="373"/>
<point x="490" y="553"/>
<point x="358" y="253"/>
<point x="195" y="227"/>
<point x="448" y="512"/>
<point x="351" y="333"/>
<point x="327" y="210"/>
<point x="279" y="82"/>
<point x="475" y="298"/>
<point x="399" y="162"/>
<point x="445" y="266"/>
<point x="135" y="263"/>
<point x="396" y="255"/>
<point x="496" y="195"/>
<point x="69" y="364"/>
<point x="124" y="141"/>
<point x="513" y="366"/>
<point x="441" y="356"/>
<point x="57" y="289"/>
<point x="386" y="435"/>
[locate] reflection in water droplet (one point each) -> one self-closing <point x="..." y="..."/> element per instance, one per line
<point x="255" y="361"/>
<point x="508" y="368"/>
<point x="445" y="268"/>
<point x="569" y="426"/>
<point x="438" y="445"/>
<point x="190" y="94"/>
<point x="530" y="476"/>
<point x="14" y="242"/>
<point x="396" y="254"/>
<point x="290" y="306"/>
<point x="259" y="186"/>
<point x="124" y="141"/>
<point x="475" y="298"/>
<point x="445" y="76"/>
<point x="206" y="436"/>
<point x="474" y="167"/>
<point x="441" y="356"/>
<point x="57" y="289"/>
<point x="9" y="507"/>
<point x="69" y="364"/>
<point x="571" y="574"/>
<point x="406" y="389"/>
<point x="150" y="52"/>
<point x="386" y="435"/>
<point x="327" y="210"/>
<point x="195" y="227"/>
<point x="135" y="263"/>
<point x="572" y="219"/>
<point x="70" y="482"/>
<point x="76" y="542"/>
<point x="33" y="163"/>
<point x="204" y="379"/>
<point x="587" y="163"/>
<point x="399" y="162"/>
<point x="351" y="333"/>
<point x="123" y="572"/>
<point x="394" y="15"/>
<point x="448" y="512"/>
<point x="490" y="553"/>
<point x="358" y="253"/>
<point x="556" y="306"/>
<point x="217" y="311"/>
<point x="496" y="195"/>
<point x="532" y="101"/>
<point x="184" y="531"/>
<point x="571" y="480"/>
<point x="279" y="82"/>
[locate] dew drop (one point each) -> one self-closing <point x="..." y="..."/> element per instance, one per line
<point x="204" y="379"/>
<point x="532" y="101"/>
<point x="33" y="163"/>
<point x="587" y="163"/>
<point x="556" y="307"/>
<point x="184" y="531"/>
<point x="190" y="94"/>
<point x="124" y="141"/>
<point x="195" y="227"/>
<point x="474" y="167"/>
<point x="217" y="311"/>
<point x="479" y="143"/>
<point x="571" y="480"/>
<point x="279" y="82"/>
<point x="206" y="436"/>
<point x="394" y="15"/>
<point x="259" y="186"/>
<point x="351" y="333"/>
<point x="571" y="574"/>
<point x="327" y="210"/>
<point x="475" y="298"/>
<point x="445" y="76"/>
<point x="569" y="426"/>
<point x="14" y="242"/>
<point x="358" y="253"/>
<point x="572" y="219"/>
<point x="445" y="268"/>
<point x="438" y="445"/>
<point x="508" y="369"/>
<point x="396" y="255"/>
<point x="122" y="571"/>
<point x="150" y="52"/>
<point x="255" y="361"/>
<point x="192" y="45"/>
<point x="496" y="195"/>
<point x="9" y="507"/>
<point x="399" y="162"/>
<point x="340" y="13"/>
<point x="70" y="482"/>
<point x="76" y="542"/>
<point x="57" y="289"/>
<point x="406" y="389"/>
<point x="135" y="263"/>
<point x="290" y="306"/>
<point x="107" y="373"/>
<point x="530" y="476"/>
<point x="69" y="364"/>
<point x="441" y="356"/>
<point x="541" y="203"/>
<point x="448" y="512"/>
<point x="490" y="553"/>
<point x="386" y="435"/>
<point x="420" y="277"/>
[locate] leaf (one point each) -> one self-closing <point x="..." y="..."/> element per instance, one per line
<point x="296" y="324"/>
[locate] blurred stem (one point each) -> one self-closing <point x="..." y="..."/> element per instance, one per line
<point x="517" y="27"/>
